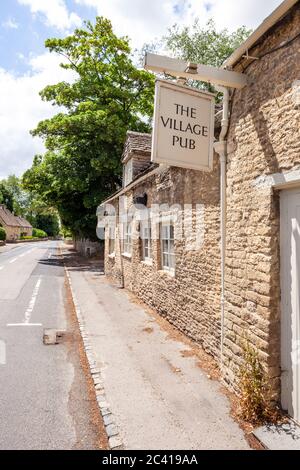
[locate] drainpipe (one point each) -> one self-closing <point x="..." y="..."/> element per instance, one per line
<point x="119" y="233"/>
<point x="221" y="149"/>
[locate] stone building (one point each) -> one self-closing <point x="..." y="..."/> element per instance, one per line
<point x="15" y="226"/>
<point x="184" y="287"/>
<point x="262" y="256"/>
<point x="10" y="223"/>
<point x="26" y="227"/>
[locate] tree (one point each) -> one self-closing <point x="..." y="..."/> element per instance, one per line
<point x="6" y="196"/>
<point x="48" y="222"/>
<point x="84" y="142"/>
<point x="206" y="45"/>
<point x="20" y="199"/>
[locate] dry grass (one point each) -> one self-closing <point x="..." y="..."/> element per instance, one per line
<point x="255" y="403"/>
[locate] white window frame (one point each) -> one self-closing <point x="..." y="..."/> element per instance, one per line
<point x="127" y="239"/>
<point x="146" y="241"/>
<point x="168" y="248"/>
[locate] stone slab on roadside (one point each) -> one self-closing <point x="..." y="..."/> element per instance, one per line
<point x="285" y="436"/>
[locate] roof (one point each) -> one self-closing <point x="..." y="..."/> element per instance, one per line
<point x="7" y="218"/>
<point x="270" y="21"/>
<point x="23" y="222"/>
<point x="136" y="143"/>
<point x="141" y="176"/>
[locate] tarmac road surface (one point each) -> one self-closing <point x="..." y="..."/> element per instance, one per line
<point x="45" y="396"/>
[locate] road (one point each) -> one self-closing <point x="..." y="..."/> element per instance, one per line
<point x="46" y="399"/>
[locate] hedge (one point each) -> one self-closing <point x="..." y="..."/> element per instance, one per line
<point x="37" y="233"/>
<point x="2" y="234"/>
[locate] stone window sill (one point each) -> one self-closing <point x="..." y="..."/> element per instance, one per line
<point x="147" y="262"/>
<point x="168" y="272"/>
<point x="127" y="255"/>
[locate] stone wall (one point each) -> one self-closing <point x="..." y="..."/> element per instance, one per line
<point x="12" y="233"/>
<point x="88" y="248"/>
<point x="263" y="139"/>
<point x="191" y="299"/>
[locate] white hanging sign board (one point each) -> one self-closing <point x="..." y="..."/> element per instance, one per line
<point x="183" y="133"/>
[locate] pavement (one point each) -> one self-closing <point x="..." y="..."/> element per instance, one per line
<point x="158" y="395"/>
<point x="47" y="400"/>
<point x="9" y="247"/>
<point x="282" y="436"/>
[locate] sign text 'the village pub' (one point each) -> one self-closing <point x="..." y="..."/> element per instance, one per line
<point x="183" y="126"/>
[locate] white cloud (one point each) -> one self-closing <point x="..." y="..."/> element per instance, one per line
<point x="143" y="20"/>
<point x="55" y="12"/>
<point x="22" y="108"/>
<point x="10" y="23"/>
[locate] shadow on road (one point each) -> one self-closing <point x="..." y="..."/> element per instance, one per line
<point x="76" y="262"/>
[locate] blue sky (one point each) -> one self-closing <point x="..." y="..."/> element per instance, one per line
<point x="26" y="67"/>
<point x="23" y="33"/>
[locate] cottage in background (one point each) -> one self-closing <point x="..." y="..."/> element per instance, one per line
<point x="26" y="227"/>
<point x="10" y="224"/>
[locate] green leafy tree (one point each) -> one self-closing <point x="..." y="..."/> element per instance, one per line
<point x="84" y="142"/>
<point x="20" y="198"/>
<point x="203" y="45"/>
<point x="48" y="222"/>
<point x="6" y="197"/>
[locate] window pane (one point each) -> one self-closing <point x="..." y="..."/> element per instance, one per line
<point x="165" y="260"/>
<point x="171" y="229"/>
<point x="164" y="232"/>
<point x="165" y="246"/>
<point x="172" y="261"/>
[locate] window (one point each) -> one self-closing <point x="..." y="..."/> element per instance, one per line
<point x="167" y="247"/>
<point x="127" y="244"/>
<point x="146" y="241"/>
<point x="111" y="241"/>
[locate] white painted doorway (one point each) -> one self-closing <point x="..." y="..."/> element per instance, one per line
<point x="290" y="301"/>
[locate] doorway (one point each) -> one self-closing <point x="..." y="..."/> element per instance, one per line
<point x="290" y="301"/>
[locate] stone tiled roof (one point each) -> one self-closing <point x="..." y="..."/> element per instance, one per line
<point x="23" y="222"/>
<point x="7" y="218"/>
<point x="137" y="143"/>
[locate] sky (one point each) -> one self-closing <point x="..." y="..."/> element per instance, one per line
<point x="26" y="66"/>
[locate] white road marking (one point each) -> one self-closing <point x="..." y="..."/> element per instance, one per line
<point x="32" y="301"/>
<point x="27" y="316"/>
<point x="24" y="324"/>
<point x="20" y="256"/>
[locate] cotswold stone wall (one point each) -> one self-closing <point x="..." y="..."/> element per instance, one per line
<point x="12" y="233"/>
<point x="263" y="139"/>
<point x="190" y="300"/>
<point x="86" y="247"/>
